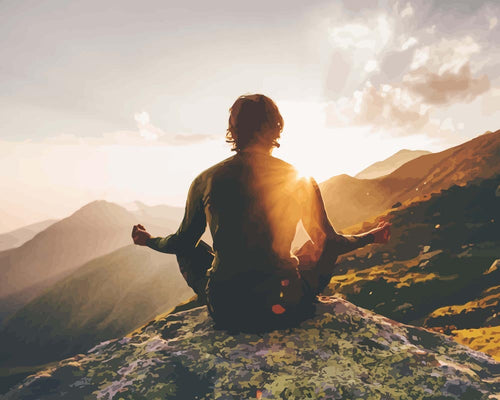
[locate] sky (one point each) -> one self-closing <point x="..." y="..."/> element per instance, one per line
<point x="128" y="100"/>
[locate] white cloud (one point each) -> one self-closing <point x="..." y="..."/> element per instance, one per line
<point x="407" y="11"/>
<point x="372" y="35"/>
<point x="490" y="102"/>
<point x="389" y="107"/>
<point x="441" y="72"/>
<point x="371" y="66"/>
<point x="409" y="43"/>
<point x="147" y="134"/>
<point x="147" y="130"/>
<point x="431" y="30"/>
<point x="142" y="118"/>
<point x="446" y="55"/>
<point x="493" y="22"/>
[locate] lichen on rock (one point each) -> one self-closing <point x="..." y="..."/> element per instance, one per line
<point x="344" y="352"/>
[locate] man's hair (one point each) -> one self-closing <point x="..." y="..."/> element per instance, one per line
<point x="254" y="118"/>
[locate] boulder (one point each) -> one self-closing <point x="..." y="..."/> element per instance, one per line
<point x="344" y="352"/>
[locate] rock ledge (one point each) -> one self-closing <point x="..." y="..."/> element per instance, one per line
<point x="344" y="352"/>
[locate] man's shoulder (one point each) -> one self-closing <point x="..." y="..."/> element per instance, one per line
<point x="285" y="169"/>
<point x="204" y="175"/>
<point x="283" y="163"/>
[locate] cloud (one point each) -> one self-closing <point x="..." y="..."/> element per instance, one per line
<point x="446" y="87"/>
<point x="388" y="107"/>
<point x="447" y="54"/>
<point x="490" y="102"/>
<point x="146" y="129"/>
<point x="152" y="133"/>
<point x="493" y="22"/>
<point x="409" y="43"/>
<point x="438" y="75"/>
<point x="180" y="140"/>
<point x="441" y="73"/>
<point x="147" y="134"/>
<point x="371" y="66"/>
<point x="371" y="35"/>
<point x="407" y="11"/>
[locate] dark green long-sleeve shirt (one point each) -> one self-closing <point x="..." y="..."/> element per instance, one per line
<point x="252" y="203"/>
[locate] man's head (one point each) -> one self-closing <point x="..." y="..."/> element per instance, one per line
<point x="254" y="120"/>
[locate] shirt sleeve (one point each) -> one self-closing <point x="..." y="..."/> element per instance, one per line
<point x="319" y="227"/>
<point x="192" y="226"/>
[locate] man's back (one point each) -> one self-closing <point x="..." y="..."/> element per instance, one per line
<point x="252" y="203"/>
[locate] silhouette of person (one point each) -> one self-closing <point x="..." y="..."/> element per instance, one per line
<point x="252" y="202"/>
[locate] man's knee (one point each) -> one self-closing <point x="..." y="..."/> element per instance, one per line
<point x="194" y="264"/>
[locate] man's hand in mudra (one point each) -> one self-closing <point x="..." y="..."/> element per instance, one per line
<point x="140" y="235"/>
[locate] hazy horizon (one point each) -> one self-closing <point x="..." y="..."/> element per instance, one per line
<point x="125" y="101"/>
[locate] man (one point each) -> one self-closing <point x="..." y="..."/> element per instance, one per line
<point x="253" y="202"/>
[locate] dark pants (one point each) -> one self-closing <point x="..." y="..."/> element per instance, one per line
<point x="256" y="302"/>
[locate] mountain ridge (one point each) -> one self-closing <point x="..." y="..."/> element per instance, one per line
<point x="349" y="201"/>
<point x="95" y="229"/>
<point x="390" y="164"/>
<point x="19" y="236"/>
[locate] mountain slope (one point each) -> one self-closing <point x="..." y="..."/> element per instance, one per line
<point x="439" y="268"/>
<point x="390" y="164"/>
<point x="103" y="299"/>
<point x="349" y="200"/>
<point x="94" y="230"/>
<point x="160" y="211"/>
<point x="343" y="352"/>
<point x="19" y="236"/>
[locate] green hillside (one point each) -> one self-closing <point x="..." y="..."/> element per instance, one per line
<point x="103" y="299"/>
<point x="439" y="270"/>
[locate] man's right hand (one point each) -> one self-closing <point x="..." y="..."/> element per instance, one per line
<point x="140" y="235"/>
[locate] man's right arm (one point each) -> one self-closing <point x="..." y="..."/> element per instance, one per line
<point x="319" y="227"/>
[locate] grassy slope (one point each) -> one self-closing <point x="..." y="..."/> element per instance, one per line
<point x="486" y="340"/>
<point x="439" y="258"/>
<point x="103" y="299"/>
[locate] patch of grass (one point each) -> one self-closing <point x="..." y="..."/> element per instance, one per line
<point x="486" y="340"/>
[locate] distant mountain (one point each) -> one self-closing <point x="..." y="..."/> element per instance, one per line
<point x="390" y="164"/>
<point x="441" y="268"/>
<point x="19" y="236"/>
<point x="350" y="200"/>
<point x="103" y="299"/>
<point x="10" y="221"/>
<point x="94" y="230"/>
<point x="161" y="211"/>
